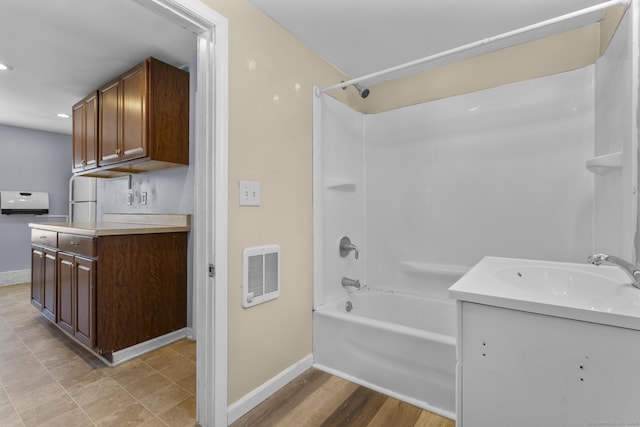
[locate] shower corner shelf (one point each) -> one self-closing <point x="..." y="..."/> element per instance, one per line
<point x="605" y="163"/>
<point x="451" y="270"/>
<point x="339" y="184"/>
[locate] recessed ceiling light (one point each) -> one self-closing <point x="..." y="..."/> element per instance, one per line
<point x="63" y="115"/>
<point x="5" y="67"/>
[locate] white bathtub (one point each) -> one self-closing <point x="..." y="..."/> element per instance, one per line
<point x="397" y="344"/>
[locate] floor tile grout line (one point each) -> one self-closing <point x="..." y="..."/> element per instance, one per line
<point x="12" y="405"/>
<point x="94" y="423"/>
<point x="173" y="382"/>
<point x="56" y="380"/>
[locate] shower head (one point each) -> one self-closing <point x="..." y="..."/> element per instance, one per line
<point x="363" y="91"/>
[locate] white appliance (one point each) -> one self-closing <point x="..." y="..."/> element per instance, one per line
<point x="82" y="199"/>
<point x="24" y="202"/>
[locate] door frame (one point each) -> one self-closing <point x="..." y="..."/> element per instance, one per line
<point x="209" y="225"/>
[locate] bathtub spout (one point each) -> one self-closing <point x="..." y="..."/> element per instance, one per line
<point x="351" y="282"/>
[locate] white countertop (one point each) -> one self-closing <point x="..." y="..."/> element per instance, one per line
<point x="121" y="224"/>
<point x="599" y="294"/>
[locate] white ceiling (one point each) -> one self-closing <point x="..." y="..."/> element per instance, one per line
<point x="63" y="49"/>
<point x="360" y="37"/>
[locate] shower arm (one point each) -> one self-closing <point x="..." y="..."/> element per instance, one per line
<point x="480" y="43"/>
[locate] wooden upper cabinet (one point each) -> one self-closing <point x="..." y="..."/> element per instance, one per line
<point x="85" y="133"/>
<point x="135" y="94"/>
<point x="110" y="135"/>
<point x="144" y="119"/>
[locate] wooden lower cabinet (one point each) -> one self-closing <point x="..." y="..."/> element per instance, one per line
<point x="85" y="324"/>
<point x="76" y="301"/>
<point x="146" y="292"/>
<point x="66" y="290"/>
<point x="37" y="276"/>
<point x="112" y="292"/>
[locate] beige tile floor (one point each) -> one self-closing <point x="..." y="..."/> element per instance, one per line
<point x="46" y="379"/>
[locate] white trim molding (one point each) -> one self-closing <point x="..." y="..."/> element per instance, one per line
<point x="137" y="350"/>
<point x="15" y="277"/>
<point x="211" y="201"/>
<point x="260" y="394"/>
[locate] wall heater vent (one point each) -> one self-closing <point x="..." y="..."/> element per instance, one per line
<point x="260" y="275"/>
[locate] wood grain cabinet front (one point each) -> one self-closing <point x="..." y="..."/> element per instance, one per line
<point x="44" y="256"/>
<point x="143" y="120"/>
<point x="85" y="133"/>
<point x="111" y="292"/>
<point x="76" y="297"/>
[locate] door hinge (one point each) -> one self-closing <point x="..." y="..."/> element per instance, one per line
<point x="212" y="270"/>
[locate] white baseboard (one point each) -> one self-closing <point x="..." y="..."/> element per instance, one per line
<point x="260" y="394"/>
<point x="15" y="277"/>
<point x="147" y="346"/>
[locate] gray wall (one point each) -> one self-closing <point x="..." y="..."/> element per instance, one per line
<point x="31" y="160"/>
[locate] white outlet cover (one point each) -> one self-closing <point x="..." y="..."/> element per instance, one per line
<point x="249" y="193"/>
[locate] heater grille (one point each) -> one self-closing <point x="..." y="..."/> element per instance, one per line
<point x="260" y="275"/>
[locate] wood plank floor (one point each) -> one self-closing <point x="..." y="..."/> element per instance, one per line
<point x="319" y="399"/>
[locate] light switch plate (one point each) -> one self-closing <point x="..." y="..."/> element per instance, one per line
<point x="249" y="193"/>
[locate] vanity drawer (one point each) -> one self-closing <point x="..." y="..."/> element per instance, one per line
<point x="44" y="237"/>
<point x="81" y="245"/>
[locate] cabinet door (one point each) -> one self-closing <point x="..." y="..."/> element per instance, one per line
<point x="85" y="133"/>
<point x="37" y="276"/>
<point x="85" y="301"/>
<point x="91" y="131"/>
<point x="109" y="123"/>
<point x="78" y="136"/>
<point x="49" y="285"/>
<point x="66" y="290"/>
<point x="134" y="112"/>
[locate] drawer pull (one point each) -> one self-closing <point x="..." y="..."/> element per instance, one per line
<point x="72" y="243"/>
<point x="43" y="237"/>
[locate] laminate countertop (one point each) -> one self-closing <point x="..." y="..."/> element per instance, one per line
<point x="122" y="224"/>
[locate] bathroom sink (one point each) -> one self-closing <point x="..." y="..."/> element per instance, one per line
<point x="565" y="284"/>
<point x="599" y="294"/>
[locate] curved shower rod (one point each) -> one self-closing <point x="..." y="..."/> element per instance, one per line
<point x="479" y="43"/>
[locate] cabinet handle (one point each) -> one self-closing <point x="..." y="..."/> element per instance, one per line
<point x="43" y="237"/>
<point x="84" y="163"/>
<point x="72" y="243"/>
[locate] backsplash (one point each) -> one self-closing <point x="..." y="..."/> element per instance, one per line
<point x="167" y="191"/>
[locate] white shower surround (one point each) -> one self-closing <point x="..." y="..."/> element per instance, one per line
<point x="437" y="186"/>
<point x="498" y="172"/>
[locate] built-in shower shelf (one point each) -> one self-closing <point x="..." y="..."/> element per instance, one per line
<point x="339" y="184"/>
<point x="601" y="165"/>
<point x="452" y="270"/>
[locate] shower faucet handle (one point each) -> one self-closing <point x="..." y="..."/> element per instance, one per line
<point x="346" y="246"/>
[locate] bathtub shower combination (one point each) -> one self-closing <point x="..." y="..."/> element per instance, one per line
<point x="407" y="199"/>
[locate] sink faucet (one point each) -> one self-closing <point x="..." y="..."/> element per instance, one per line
<point x="346" y="247"/>
<point x="351" y="282"/>
<point x="632" y="270"/>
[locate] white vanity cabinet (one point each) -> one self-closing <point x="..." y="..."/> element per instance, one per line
<point x="523" y="369"/>
<point x="544" y="343"/>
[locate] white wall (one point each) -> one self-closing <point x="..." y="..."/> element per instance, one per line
<point x="614" y="219"/>
<point x="497" y="172"/>
<point x="338" y="195"/>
